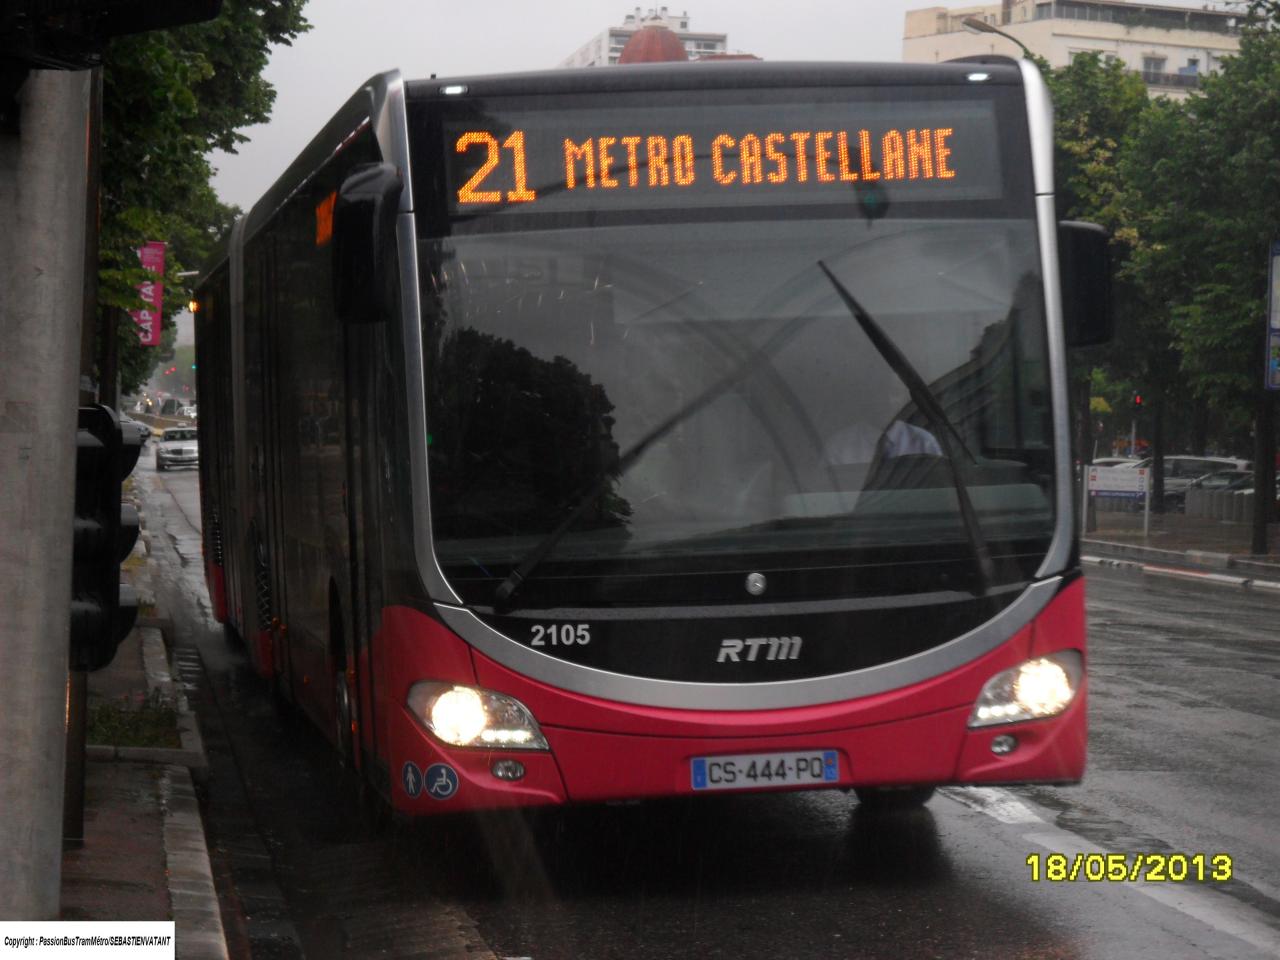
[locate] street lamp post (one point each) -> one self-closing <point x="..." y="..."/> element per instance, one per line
<point x="974" y="25"/>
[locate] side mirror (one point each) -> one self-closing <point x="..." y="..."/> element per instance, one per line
<point x="1084" y="270"/>
<point x="364" y="242"/>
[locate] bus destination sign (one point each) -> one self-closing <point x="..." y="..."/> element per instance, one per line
<point x="529" y="161"/>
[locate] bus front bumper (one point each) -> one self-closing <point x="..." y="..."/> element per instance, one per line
<point x="585" y="766"/>
<point x="600" y="750"/>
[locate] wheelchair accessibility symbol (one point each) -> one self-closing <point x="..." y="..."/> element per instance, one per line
<point x="442" y="781"/>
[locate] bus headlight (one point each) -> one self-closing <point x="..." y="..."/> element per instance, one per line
<point x="474" y="717"/>
<point x="1039" y="688"/>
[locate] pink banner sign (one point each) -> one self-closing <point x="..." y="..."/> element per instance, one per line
<point x="152" y="292"/>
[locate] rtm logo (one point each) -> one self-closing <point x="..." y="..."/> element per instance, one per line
<point x="777" y="648"/>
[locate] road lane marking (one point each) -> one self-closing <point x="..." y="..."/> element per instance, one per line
<point x="994" y="802"/>
<point x="1221" y="913"/>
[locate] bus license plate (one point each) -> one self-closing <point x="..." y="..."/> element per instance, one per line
<point x="749" y="771"/>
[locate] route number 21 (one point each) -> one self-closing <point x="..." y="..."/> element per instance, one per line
<point x="471" y="192"/>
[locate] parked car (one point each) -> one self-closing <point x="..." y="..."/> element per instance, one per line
<point x="1181" y="469"/>
<point x="1248" y="488"/>
<point x="177" y="447"/>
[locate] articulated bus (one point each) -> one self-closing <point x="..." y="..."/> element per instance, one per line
<point x="599" y="435"/>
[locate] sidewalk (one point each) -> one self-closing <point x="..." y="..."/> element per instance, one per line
<point x="1177" y="532"/>
<point x="1218" y="549"/>
<point x="144" y="855"/>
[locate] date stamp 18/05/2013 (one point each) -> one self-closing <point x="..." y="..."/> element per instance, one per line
<point x="1130" y="867"/>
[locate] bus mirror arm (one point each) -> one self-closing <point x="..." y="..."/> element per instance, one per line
<point x="364" y="260"/>
<point x="1084" y="269"/>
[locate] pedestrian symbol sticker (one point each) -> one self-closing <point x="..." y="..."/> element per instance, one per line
<point x="442" y="781"/>
<point x="411" y="777"/>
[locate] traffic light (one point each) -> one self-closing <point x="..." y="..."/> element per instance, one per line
<point x="1137" y="400"/>
<point x="102" y="608"/>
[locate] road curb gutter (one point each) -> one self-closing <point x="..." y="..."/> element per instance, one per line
<point x="160" y="673"/>
<point x="192" y="895"/>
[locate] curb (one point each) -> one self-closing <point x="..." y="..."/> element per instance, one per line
<point x="193" y="897"/>
<point x="1247" y="567"/>
<point x="160" y="679"/>
<point x="1181" y="573"/>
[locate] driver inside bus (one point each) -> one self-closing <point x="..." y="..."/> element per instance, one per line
<point x="863" y="443"/>
<point x="866" y="442"/>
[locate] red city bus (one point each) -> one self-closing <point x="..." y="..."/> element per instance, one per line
<point x="608" y="434"/>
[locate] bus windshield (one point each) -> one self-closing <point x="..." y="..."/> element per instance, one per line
<point x="682" y="378"/>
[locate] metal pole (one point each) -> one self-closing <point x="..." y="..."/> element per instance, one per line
<point x="73" y="782"/>
<point x="1085" y="526"/>
<point x="92" y="216"/>
<point x="1264" y="472"/>
<point x="975" y="25"/>
<point x="1146" y="505"/>
<point x="42" y="207"/>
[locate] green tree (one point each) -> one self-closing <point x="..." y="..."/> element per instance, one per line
<point x="1231" y="216"/>
<point x="1097" y="105"/>
<point x="169" y="97"/>
<point x="1205" y="204"/>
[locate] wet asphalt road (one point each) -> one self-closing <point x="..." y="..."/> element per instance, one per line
<point x="1185" y="718"/>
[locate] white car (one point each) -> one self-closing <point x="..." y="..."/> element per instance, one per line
<point x="178" y="447"/>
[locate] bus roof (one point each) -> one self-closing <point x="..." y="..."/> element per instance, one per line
<point x="721" y="75"/>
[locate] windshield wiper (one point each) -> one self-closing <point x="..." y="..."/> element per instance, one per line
<point x="518" y="576"/>
<point x="947" y="435"/>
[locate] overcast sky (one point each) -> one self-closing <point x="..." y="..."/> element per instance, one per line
<point x="350" y="40"/>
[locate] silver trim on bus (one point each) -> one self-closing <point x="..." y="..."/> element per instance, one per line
<point x="1040" y="122"/>
<point x="391" y="126"/>
<point x="645" y="691"/>
<point x="433" y="578"/>
<point x="1059" y="553"/>
<point x="1040" y="128"/>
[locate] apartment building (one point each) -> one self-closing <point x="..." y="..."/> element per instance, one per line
<point x="605" y="47"/>
<point x="1171" y="47"/>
